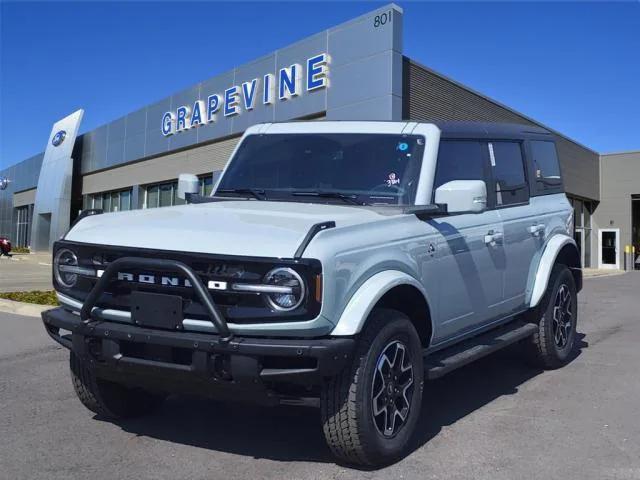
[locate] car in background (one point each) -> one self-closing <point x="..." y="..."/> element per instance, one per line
<point x="5" y="246"/>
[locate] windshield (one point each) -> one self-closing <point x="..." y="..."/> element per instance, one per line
<point x="328" y="167"/>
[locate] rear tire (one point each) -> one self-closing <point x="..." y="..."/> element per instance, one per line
<point x="108" y="399"/>
<point x="551" y="346"/>
<point x="369" y="411"/>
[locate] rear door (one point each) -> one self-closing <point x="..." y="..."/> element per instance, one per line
<point x="523" y="230"/>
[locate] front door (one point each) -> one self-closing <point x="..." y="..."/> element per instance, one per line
<point x="608" y="256"/>
<point x="471" y="266"/>
<point x="470" y="250"/>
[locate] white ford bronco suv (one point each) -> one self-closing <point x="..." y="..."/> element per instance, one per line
<point x="339" y="264"/>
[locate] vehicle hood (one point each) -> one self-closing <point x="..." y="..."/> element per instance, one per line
<point x="245" y="227"/>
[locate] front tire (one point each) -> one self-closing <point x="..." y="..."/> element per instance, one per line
<point x="369" y="411"/>
<point x="551" y="346"/>
<point x="108" y="399"/>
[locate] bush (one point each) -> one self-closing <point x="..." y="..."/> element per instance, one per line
<point x="38" y="297"/>
<point x="20" y="250"/>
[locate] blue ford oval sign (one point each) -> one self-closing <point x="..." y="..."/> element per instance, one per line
<point x="58" y="138"/>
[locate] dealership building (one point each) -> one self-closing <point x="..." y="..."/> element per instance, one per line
<point x="353" y="71"/>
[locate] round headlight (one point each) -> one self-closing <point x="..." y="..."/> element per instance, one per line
<point x="293" y="290"/>
<point x="65" y="267"/>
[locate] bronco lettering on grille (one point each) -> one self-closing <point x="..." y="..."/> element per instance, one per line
<point x="164" y="280"/>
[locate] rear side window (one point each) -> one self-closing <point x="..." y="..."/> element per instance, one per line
<point x="546" y="166"/>
<point x="459" y="160"/>
<point x="508" y="173"/>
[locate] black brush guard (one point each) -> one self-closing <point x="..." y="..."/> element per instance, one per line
<point x="163" y="265"/>
<point x="216" y="364"/>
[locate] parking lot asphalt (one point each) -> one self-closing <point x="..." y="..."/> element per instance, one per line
<point x="25" y="272"/>
<point x="495" y="419"/>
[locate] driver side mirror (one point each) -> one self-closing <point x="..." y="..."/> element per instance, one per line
<point x="463" y="196"/>
<point x="188" y="183"/>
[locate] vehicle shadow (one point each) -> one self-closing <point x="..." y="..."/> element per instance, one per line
<point x="453" y="397"/>
<point x="295" y="434"/>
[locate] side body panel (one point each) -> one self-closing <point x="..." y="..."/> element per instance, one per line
<point x="555" y="213"/>
<point x="522" y="244"/>
<point x="470" y="272"/>
<point x="354" y="257"/>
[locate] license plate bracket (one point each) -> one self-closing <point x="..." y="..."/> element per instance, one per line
<point x="156" y="310"/>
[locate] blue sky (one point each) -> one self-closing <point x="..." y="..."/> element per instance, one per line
<point x="573" y="66"/>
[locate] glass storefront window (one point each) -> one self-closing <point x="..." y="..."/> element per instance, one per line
<point x="110" y="201"/>
<point x="125" y="200"/>
<point x="106" y="203"/>
<point x="152" y="197"/>
<point x="586" y="262"/>
<point x="115" y="201"/>
<point x="23" y="221"/>
<point x="166" y="195"/>
<point x="582" y="229"/>
<point x="206" y="186"/>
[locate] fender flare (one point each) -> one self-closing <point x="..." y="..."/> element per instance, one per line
<point x="357" y="310"/>
<point x="546" y="263"/>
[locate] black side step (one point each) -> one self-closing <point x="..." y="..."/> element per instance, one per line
<point x="440" y="363"/>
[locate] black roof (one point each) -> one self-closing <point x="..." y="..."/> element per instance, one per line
<point x="489" y="129"/>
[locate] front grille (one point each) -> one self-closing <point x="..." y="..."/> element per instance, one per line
<point x="235" y="307"/>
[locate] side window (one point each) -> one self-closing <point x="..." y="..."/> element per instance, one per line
<point x="459" y="160"/>
<point x="508" y="173"/>
<point x="546" y="166"/>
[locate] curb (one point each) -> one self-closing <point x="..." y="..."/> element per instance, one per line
<point x="608" y="274"/>
<point x="21" y="308"/>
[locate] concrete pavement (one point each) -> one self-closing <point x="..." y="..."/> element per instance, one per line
<point x="25" y="272"/>
<point x="495" y="419"/>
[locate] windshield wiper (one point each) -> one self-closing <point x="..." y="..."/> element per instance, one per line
<point x="325" y="194"/>
<point x="257" y="193"/>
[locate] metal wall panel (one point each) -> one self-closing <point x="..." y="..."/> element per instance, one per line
<point x="580" y="168"/>
<point x="188" y="137"/>
<point x="200" y="160"/>
<point x="620" y="179"/>
<point x="260" y="113"/>
<point x="27" y="197"/>
<point x="429" y="96"/>
<point x="22" y="176"/>
<point x="365" y="78"/>
<point x="52" y="209"/>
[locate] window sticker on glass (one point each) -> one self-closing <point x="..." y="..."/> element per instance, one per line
<point x="492" y="156"/>
<point x="403" y="146"/>
<point x="393" y="179"/>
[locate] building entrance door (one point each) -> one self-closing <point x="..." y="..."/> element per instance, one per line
<point x="608" y="256"/>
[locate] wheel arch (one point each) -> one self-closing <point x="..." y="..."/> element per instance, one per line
<point x="389" y="289"/>
<point x="559" y="249"/>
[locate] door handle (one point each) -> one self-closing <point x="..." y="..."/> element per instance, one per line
<point x="536" y="230"/>
<point x="493" y="238"/>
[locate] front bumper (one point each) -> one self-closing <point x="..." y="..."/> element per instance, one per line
<point x="203" y="363"/>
